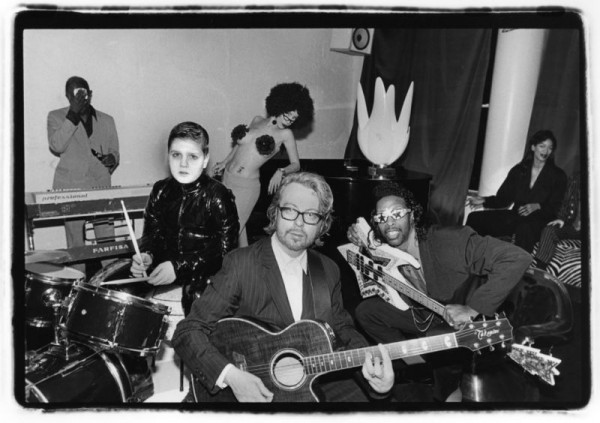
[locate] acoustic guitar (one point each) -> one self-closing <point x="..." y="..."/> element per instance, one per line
<point x="289" y="361"/>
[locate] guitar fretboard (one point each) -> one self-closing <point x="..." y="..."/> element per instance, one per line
<point x="475" y="336"/>
<point x="376" y="272"/>
<point x="355" y="358"/>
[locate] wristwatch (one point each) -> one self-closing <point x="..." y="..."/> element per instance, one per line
<point x="282" y="170"/>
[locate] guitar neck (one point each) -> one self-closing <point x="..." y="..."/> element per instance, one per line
<point x="414" y="294"/>
<point x="355" y="358"/>
<point x="358" y="261"/>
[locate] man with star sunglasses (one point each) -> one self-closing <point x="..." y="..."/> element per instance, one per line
<point x="471" y="274"/>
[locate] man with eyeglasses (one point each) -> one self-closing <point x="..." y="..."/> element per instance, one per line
<point x="277" y="281"/>
<point x="469" y="273"/>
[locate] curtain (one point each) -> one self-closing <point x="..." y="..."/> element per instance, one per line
<point x="448" y="67"/>
<point x="559" y="95"/>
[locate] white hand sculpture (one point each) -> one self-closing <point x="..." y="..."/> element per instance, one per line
<point x="381" y="138"/>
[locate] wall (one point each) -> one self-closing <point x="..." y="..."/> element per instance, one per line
<point x="150" y="80"/>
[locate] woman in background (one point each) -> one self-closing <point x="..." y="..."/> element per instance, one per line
<point x="288" y="105"/>
<point x="535" y="187"/>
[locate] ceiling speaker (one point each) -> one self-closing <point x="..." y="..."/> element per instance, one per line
<point x="361" y="37"/>
<point x="356" y="41"/>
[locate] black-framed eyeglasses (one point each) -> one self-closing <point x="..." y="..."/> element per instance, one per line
<point x="308" y="217"/>
<point x="394" y="214"/>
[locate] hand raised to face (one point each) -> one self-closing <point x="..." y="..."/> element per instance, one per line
<point x="80" y="100"/>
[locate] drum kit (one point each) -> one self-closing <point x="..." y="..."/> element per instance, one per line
<point x="85" y="342"/>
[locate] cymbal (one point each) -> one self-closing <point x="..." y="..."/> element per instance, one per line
<point x="51" y="256"/>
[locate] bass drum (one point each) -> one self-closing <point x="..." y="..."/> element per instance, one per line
<point x="83" y="374"/>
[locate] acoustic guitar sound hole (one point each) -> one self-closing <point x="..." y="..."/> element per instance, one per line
<point x="287" y="370"/>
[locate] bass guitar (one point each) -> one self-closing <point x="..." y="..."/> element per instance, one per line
<point x="379" y="272"/>
<point x="289" y="361"/>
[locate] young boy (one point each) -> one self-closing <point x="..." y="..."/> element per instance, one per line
<point x="190" y="221"/>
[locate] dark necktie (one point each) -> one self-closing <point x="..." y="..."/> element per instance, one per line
<point x="414" y="277"/>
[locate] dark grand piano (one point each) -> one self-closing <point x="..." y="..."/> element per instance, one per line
<point x="352" y="191"/>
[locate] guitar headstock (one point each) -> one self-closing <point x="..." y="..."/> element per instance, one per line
<point x="485" y="333"/>
<point x="536" y="363"/>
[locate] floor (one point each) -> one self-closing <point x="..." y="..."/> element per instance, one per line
<point x="168" y="384"/>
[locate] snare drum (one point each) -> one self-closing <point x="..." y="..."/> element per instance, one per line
<point x="83" y="374"/>
<point x="115" y="319"/>
<point x="46" y="283"/>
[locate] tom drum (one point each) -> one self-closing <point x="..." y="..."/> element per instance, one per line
<point x="115" y="319"/>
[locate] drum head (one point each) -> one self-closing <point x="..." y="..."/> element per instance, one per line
<point x="120" y="269"/>
<point x="53" y="272"/>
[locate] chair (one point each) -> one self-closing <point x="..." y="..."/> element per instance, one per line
<point x="539" y="308"/>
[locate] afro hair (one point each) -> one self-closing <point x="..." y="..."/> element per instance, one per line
<point x="288" y="97"/>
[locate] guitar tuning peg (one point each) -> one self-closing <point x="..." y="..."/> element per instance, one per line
<point x="496" y="316"/>
<point x="503" y="344"/>
<point x="492" y="348"/>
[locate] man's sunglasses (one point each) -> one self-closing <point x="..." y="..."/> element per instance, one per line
<point x="394" y="214"/>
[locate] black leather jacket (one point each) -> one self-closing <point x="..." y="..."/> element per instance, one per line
<point x="192" y="226"/>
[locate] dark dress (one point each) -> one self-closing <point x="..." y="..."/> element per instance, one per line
<point x="548" y="191"/>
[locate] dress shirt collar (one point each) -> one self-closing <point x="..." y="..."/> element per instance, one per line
<point x="284" y="260"/>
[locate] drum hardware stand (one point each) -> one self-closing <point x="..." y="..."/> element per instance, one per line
<point x="120" y="316"/>
<point x="53" y="298"/>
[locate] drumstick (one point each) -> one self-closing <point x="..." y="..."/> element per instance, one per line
<point x="132" y="234"/>
<point x="123" y="281"/>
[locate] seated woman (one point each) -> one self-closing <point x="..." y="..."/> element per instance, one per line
<point x="288" y="105"/>
<point x="535" y="187"/>
<point x="190" y="221"/>
<point x="566" y="226"/>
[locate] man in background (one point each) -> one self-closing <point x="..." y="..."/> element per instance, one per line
<point x="86" y="141"/>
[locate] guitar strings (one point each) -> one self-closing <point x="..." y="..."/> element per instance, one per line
<point x="329" y="362"/>
<point x="361" y="264"/>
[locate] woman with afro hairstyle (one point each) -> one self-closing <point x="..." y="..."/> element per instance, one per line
<point x="288" y="105"/>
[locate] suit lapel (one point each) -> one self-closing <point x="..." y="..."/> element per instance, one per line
<point x="275" y="282"/>
<point x="426" y="263"/>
